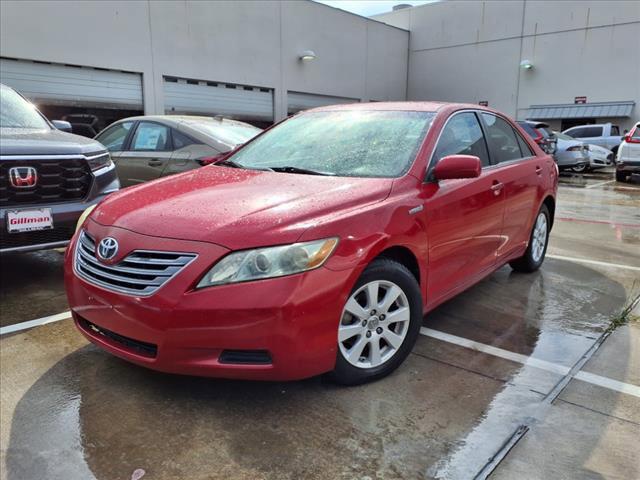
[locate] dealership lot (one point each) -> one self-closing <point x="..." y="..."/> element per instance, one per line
<point x="517" y="358"/>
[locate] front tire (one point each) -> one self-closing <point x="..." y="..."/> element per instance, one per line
<point x="620" y="176"/>
<point x="538" y="241"/>
<point x="380" y="323"/>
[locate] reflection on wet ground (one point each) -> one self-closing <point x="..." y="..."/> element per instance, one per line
<point x="71" y="411"/>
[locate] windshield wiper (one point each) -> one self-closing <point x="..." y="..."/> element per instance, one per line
<point x="229" y="163"/>
<point x="306" y="171"/>
<point x="232" y="164"/>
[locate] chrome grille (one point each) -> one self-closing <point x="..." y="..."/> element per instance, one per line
<point x="60" y="179"/>
<point x="141" y="273"/>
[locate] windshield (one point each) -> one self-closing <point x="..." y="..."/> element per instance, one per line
<point x="16" y="112"/>
<point x="342" y="143"/>
<point x="226" y="131"/>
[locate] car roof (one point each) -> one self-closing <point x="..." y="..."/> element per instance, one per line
<point x="534" y="124"/>
<point x="400" y="106"/>
<point x="177" y="119"/>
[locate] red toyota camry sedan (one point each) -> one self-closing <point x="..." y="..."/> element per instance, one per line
<point x="316" y="247"/>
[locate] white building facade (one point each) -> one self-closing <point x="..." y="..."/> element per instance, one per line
<point x="584" y="57"/>
<point x="241" y="59"/>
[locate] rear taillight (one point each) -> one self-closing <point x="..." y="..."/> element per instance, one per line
<point x="539" y="138"/>
<point x="632" y="136"/>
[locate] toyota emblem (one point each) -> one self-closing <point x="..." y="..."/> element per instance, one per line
<point x="107" y="248"/>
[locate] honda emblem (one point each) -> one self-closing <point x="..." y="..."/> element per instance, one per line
<point x="23" y="177"/>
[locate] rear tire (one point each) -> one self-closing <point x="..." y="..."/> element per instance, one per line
<point x="538" y="241"/>
<point x="620" y="176"/>
<point x="380" y="323"/>
<point x="580" y="169"/>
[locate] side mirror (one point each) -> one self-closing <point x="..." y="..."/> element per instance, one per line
<point x="457" y="166"/>
<point x="62" y="125"/>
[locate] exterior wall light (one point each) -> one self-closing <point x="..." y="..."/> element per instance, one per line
<point x="526" y="65"/>
<point x="307" y="55"/>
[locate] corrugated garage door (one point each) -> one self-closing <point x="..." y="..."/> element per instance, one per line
<point x="57" y="84"/>
<point x="185" y="96"/>
<point x="297" y="101"/>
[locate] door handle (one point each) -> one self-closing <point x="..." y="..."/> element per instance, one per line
<point x="538" y="170"/>
<point x="154" y="162"/>
<point x="497" y="187"/>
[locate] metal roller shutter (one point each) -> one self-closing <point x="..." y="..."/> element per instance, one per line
<point x="297" y="101"/>
<point x="58" y="84"/>
<point x="212" y="98"/>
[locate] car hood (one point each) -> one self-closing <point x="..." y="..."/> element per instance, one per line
<point x="599" y="149"/>
<point x="236" y="208"/>
<point x="30" y="141"/>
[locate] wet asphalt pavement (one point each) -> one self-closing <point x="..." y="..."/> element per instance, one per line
<point x="495" y="364"/>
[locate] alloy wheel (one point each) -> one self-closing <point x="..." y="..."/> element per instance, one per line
<point x="539" y="240"/>
<point x="374" y="324"/>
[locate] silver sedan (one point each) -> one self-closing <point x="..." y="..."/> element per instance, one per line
<point x="571" y="153"/>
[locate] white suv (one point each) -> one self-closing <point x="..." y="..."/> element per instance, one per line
<point x="628" y="156"/>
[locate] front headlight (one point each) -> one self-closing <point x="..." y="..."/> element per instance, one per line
<point x="269" y="262"/>
<point x="99" y="161"/>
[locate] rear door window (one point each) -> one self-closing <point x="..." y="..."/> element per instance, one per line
<point x="585" y="132"/>
<point x="114" y="137"/>
<point x="615" y="131"/>
<point x="151" y="137"/>
<point x="462" y="135"/>
<point x="180" y="140"/>
<point x="502" y="140"/>
<point x="525" y="149"/>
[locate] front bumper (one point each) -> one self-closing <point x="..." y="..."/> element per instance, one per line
<point x="293" y="319"/>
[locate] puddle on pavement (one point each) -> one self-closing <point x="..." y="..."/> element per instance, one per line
<point x="94" y="416"/>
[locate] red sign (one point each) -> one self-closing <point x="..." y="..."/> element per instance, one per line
<point x="483" y="103"/>
<point x="580" y="100"/>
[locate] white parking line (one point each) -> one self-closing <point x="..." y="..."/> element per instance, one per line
<point x="600" y="184"/>
<point x="35" y="323"/>
<point x="534" y="362"/>
<point x="595" y="262"/>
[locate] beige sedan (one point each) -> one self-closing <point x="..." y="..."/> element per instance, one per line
<point x="148" y="147"/>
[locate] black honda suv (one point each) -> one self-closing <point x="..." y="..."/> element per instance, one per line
<point x="47" y="177"/>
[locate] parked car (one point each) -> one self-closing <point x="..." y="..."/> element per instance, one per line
<point x="47" y="177"/>
<point x="149" y="147"/>
<point x="316" y="247"/>
<point x="628" y="157"/>
<point x="599" y="157"/>
<point x="571" y="153"/>
<point x="606" y="135"/>
<point x="541" y="134"/>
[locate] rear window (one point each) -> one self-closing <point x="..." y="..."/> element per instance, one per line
<point x="529" y="129"/>
<point x="226" y="131"/>
<point x="636" y="133"/>
<point x="585" y="132"/>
